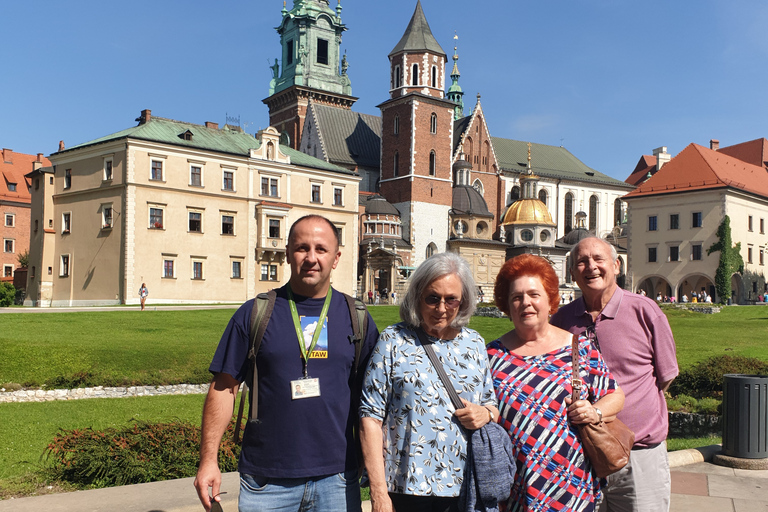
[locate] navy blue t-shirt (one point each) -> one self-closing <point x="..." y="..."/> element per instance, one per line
<point x="305" y="437"/>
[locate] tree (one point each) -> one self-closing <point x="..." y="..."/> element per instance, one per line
<point x="23" y="259"/>
<point x="731" y="261"/>
<point x="7" y="294"/>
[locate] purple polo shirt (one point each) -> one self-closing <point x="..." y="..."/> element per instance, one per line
<point x="637" y="344"/>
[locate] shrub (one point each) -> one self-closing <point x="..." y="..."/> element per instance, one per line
<point x="685" y="403"/>
<point x="137" y="453"/>
<point x="7" y="294"/>
<point x="705" y="379"/>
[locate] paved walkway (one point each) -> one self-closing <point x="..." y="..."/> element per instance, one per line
<point x="697" y="486"/>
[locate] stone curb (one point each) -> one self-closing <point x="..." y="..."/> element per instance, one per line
<point x="693" y="455"/>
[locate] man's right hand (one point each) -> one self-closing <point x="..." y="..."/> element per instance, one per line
<point x="208" y="477"/>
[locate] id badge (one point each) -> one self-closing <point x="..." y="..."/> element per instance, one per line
<point x="305" y="388"/>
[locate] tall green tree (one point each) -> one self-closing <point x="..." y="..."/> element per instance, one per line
<point x="731" y="261"/>
<point x="23" y="259"/>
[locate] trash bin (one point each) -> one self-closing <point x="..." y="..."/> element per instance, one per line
<point x="745" y="416"/>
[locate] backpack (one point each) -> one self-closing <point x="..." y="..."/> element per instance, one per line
<point x="262" y="310"/>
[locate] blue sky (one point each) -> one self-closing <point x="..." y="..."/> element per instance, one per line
<point x="609" y="80"/>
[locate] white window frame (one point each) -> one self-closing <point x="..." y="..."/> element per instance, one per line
<point x="224" y="172"/>
<point x="269" y="267"/>
<point x="13" y="245"/>
<point x="198" y="211"/>
<point x="279" y="221"/>
<point x="342" y="233"/>
<point x="12" y="217"/>
<point x="65" y="271"/>
<point x="269" y="180"/>
<point x="240" y="262"/>
<point x="223" y="214"/>
<point x="67" y="179"/>
<point x="104" y="223"/>
<point x="312" y="186"/>
<point x="151" y="207"/>
<point x="5" y="270"/>
<point x="108" y="163"/>
<point x="194" y="260"/>
<point x="172" y="259"/>
<point x="339" y="188"/>
<point x="66" y="223"/>
<point x="161" y="161"/>
<point x="201" y="166"/>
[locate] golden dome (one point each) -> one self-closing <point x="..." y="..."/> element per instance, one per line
<point x="528" y="211"/>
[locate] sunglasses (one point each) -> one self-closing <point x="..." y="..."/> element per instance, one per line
<point x="591" y="334"/>
<point x="434" y="301"/>
<point x="215" y="505"/>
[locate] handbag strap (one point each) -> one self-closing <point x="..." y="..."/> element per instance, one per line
<point x="576" y="381"/>
<point x="439" y="368"/>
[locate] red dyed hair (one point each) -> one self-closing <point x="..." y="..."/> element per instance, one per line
<point x="526" y="265"/>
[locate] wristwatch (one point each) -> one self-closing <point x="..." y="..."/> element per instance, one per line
<point x="599" y="414"/>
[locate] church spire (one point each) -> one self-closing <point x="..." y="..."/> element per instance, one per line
<point x="455" y="94"/>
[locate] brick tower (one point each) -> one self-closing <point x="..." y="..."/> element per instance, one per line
<point x="312" y="67"/>
<point x="417" y="139"/>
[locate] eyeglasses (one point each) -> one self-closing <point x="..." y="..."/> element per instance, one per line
<point x="591" y="334"/>
<point x="434" y="301"/>
<point x="216" y="505"/>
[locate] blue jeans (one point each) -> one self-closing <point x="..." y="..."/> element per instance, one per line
<point x="332" y="493"/>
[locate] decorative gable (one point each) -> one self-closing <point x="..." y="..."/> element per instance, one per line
<point x="269" y="147"/>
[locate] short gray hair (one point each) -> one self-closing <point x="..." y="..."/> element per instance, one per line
<point x="435" y="267"/>
<point x="575" y="250"/>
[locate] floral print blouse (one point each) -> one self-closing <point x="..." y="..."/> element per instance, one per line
<point x="425" y="446"/>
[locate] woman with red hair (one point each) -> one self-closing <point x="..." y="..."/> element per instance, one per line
<point x="531" y="366"/>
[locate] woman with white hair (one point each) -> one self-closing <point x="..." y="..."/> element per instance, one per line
<point x="414" y="440"/>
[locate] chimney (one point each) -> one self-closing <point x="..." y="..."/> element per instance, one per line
<point x="662" y="156"/>
<point x="61" y="145"/>
<point x="145" y="117"/>
<point x="38" y="163"/>
<point x="7" y="156"/>
<point x="714" y="144"/>
<point x="209" y="124"/>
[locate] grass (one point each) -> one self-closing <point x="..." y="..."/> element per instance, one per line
<point x="27" y="428"/>
<point x="163" y="347"/>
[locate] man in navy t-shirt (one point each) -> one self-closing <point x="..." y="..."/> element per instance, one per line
<point x="301" y="454"/>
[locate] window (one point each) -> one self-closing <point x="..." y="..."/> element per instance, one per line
<point x="338" y="196"/>
<point x="396" y="80"/>
<point x="696" y="252"/>
<point x="696" y="220"/>
<point x="32" y="271"/>
<point x="434" y="76"/>
<point x="269" y="187"/>
<point x="66" y="222"/>
<point x="10" y="220"/>
<point x="274" y="228"/>
<point x="433" y="123"/>
<point x="749" y="255"/>
<point x="107" y="169"/>
<point x="64" y="265"/>
<point x="396" y="164"/>
<point x="396" y="125"/>
<point x="617" y="212"/>
<point x="674" y="221"/>
<point x="195" y="222"/>
<point x="761" y="257"/>
<point x="268" y="272"/>
<point x="749" y="223"/>
<point x="169" y="268"/>
<point x="568" y="208"/>
<point x="236" y="270"/>
<point x="340" y="234"/>
<point x="315" y="197"/>
<point x="651" y="255"/>
<point x="196" y="176"/>
<point x="415" y="77"/>
<point x="227" y="224"/>
<point x="762" y="226"/>
<point x="67" y="178"/>
<point x="432" y="163"/>
<point x="157" y="170"/>
<point x="106" y="217"/>
<point x="543" y="196"/>
<point x="197" y="270"/>
<point x="8" y="271"/>
<point x="156" y="218"/>
<point x="674" y="253"/>
<point x="11" y="187"/>
<point x="228" y="181"/>
<point x="593" y="213"/>
<point x="289" y="52"/>
<point x="8" y="245"/>
<point x="652" y="223"/>
<point x="431" y="249"/>
<point x="35" y="225"/>
<point x="322" y="51"/>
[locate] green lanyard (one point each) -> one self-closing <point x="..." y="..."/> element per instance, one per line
<point x="297" y="324"/>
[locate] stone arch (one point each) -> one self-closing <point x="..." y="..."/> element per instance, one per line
<point x="695" y="281"/>
<point x="653" y="285"/>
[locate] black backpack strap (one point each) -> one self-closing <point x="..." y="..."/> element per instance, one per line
<point x="262" y="310"/>
<point x="358" y="313"/>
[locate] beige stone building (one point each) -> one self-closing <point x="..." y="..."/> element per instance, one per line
<point x="198" y="213"/>
<point x="674" y="216"/>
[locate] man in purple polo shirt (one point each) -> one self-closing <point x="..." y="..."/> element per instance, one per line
<point x="636" y="342"/>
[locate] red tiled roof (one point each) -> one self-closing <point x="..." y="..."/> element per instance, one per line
<point x="700" y="168"/>
<point x="646" y="164"/>
<point x="754" y="152"/>
<point x="13" y="168"/>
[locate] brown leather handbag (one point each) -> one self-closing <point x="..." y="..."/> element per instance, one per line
<point x="607" y="445"/>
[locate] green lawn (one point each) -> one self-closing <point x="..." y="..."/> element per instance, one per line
<point x="176" y="346"/>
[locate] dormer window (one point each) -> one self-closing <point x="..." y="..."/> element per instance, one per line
<point x="187" y="135"/>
